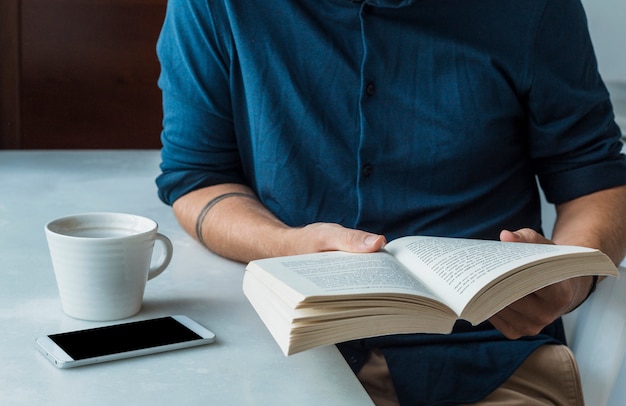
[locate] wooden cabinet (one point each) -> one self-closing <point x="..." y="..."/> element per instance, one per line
<point x="80" y="74"/>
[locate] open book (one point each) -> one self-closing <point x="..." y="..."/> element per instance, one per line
<point x="414" y="285"/>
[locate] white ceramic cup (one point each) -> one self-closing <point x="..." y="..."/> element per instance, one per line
<point x="102" y="262"/>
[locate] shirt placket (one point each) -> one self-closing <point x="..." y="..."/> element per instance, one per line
<point x="367" y="152"/>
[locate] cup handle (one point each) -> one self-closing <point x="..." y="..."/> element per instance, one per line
<point x="164" y="259"/>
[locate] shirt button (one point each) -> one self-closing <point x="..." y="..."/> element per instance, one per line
<point x="367" y="170"/>
<point x="370" y="89"/>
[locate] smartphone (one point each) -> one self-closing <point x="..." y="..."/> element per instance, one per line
<point x="84" y="347"/>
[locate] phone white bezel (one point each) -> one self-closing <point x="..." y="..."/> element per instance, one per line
<point x="61" y="359"/>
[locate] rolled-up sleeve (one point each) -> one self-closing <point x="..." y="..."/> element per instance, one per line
<point x="199" y="143"/>
<point x="574" y="141"/>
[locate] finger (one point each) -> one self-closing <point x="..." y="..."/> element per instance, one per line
<point x="334" y="237"/>
<point x="523" y="235"/>
<point x="532" y="313"/>
<point x="528" y="316"/>
<point x="503" y="326"/>
<point x="513" y="324"/>
<point x="360" y="241"/>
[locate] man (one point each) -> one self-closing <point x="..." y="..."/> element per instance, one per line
<point x="295" y="126"/>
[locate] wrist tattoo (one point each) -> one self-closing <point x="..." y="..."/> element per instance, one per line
<point x="209" y="206"/>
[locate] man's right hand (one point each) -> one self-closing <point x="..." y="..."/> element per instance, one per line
<point x="319" y="237"/>
<point x="239" y="227"/>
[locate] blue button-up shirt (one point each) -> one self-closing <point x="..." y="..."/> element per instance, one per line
<point x="397" y="117"/>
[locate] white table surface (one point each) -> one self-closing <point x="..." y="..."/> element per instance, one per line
<point x="244" y="366"/>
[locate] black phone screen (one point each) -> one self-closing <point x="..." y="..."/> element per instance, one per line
<point x="125" y="337"/>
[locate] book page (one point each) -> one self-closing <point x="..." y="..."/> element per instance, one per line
<point x="456" y="269"/>
<point x="338" y="273"/>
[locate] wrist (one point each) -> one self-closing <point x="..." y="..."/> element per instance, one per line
<point x="594" y="285"/>
<point x="592" y="288"/>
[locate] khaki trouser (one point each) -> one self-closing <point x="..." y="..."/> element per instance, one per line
<point x="549" y="376"/>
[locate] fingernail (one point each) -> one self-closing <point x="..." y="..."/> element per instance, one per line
<point x="370" y="240"/>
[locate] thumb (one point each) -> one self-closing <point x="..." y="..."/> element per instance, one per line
<point x="523" y="235"/>
<point x="351" y="240"/>
<point x="366" y="242"/>
<point x="319" y="237"/>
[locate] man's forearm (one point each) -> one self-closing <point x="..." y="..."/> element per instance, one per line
<point x="597" y="220"/>
<point x="230" y="221"/>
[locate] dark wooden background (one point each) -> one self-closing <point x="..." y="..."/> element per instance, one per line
<point x="79" y="74"/>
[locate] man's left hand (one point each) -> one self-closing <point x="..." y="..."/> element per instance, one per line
<point x="529" y="315"/>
